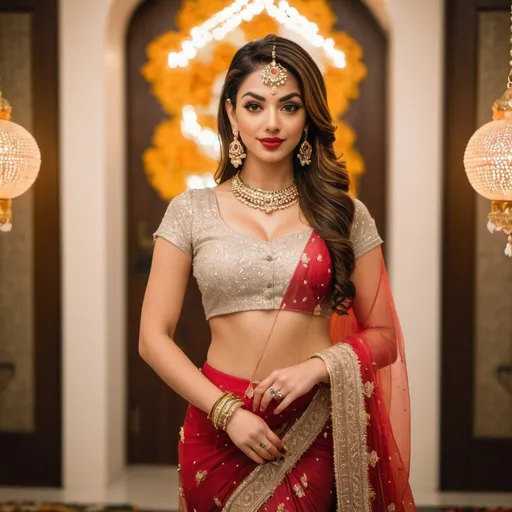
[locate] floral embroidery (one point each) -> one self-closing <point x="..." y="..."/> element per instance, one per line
<point x="373" y="495"/>
<point x="305" y="282"/>
<point x="180" y="491"/>
<point x="368" y="419"/>
<point x="392" y="508"/>
<point x="182" y="435"/>
<point x="373" y="458"/>
<point x="200" y="476"/>
<point x="299" y="491"/>
<point x="304" y="480"/>
<point x="305" y="259"/>
<point x="319" y="258"/>
<point x="280" y="507"/>
<point x="348" y="416"/>
<point x="304" y="299"/>
<point x="217" y="501"/>
<point x="368" y="389"/>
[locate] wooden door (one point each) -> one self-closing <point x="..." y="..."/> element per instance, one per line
<point x="30" y="369"/>
<point x="155" y="412"/>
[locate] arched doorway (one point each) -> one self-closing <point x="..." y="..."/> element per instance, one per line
<point x="155" y="412"/>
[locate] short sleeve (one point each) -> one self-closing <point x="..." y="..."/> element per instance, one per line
<point x="176" y="225"/>
<point x="364" y="235"/>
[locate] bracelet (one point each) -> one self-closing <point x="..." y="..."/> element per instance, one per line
<point x="223" y="409"/>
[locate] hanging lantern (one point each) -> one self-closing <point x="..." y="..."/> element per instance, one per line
<point x="488" y="163"/>
<point x="20" y="161"/>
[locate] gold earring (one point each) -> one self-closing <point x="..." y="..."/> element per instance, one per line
<point x="305" y="150"/>
<point x="236" y="151"/>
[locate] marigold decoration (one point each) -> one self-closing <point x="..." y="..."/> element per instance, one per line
<point x="186" y="69"/>
<point x="20" y="161"/>
<point x="488" y="163"/>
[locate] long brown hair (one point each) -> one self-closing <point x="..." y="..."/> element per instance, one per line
<point x="323" y="186"/>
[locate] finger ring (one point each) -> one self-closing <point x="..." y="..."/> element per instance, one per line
<point x="272" y="391"/>
<point x="263" y="445"/>
<point x="279" y="395"/>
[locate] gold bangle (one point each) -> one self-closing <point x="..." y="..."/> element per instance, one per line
<point x="234" y="407"/>
<point x="219" y="410"/>
<point x="214" y="406"/>
<point x="225" y="414"/>
<point x="223" y="408"/>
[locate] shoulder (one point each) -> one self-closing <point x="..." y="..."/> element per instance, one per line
<point x="188" y="201"/>
<point x="363" y="234"/>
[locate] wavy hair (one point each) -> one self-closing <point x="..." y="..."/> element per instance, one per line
<point x="323" y="186"/>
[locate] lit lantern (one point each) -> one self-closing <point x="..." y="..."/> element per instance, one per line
<point x="20" y="161"/>
<point x="488" y="163"/>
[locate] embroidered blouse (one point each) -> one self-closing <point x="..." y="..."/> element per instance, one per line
<point x="238" y="272"/>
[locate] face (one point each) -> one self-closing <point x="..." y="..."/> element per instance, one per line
<point x="270" y="126"/>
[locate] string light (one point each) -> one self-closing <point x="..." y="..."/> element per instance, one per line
<point x="206" y="138"/>
<point x="228" y="19"/>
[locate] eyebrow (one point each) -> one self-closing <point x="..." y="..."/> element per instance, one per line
<point x="281" y="100"/>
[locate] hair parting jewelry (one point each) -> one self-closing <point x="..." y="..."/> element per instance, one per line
<point x="274" y="74"/>
<point x="223" y="409"/>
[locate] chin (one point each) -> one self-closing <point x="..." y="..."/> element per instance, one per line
<point x="272" y="157"/>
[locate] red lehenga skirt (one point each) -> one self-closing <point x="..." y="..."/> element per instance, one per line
<point x="348" y="443"/>
<point x="212" y="467"/>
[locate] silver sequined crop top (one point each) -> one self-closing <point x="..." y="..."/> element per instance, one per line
<point x="238" y="272"/>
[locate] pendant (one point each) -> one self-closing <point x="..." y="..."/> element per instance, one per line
<point x="249" y="392"/>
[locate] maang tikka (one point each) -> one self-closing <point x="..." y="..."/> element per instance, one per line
<point x="274" y="74"/>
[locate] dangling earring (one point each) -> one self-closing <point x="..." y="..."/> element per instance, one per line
<point x="236" y="151"/>
<point x="305" y="150"/>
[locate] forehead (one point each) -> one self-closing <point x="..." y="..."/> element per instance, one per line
<point x="254" y="84"/>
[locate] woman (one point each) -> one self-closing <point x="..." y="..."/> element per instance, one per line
<point x="302" y="404"/>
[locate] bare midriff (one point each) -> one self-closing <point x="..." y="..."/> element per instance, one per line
<point x="252" y="344"/>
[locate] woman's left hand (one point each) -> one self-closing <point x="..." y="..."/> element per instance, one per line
<point x="287" y="384"/>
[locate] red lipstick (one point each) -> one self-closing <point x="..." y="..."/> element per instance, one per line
<point x="271" y="142"/>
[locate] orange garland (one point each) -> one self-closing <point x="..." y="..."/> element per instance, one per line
<point x="172" y="157"/>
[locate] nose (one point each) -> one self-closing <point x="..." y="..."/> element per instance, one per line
<point x="272" y="121"/>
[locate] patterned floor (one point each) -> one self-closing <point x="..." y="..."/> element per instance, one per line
<point x="70" y="507"/>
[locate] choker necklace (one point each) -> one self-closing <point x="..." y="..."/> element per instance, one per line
<point x="266" y="200"/>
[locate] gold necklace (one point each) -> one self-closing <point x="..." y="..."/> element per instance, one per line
<point x="266" y="200"/>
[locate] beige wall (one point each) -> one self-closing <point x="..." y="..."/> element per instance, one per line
<point x="93" y="241"/>
<point x="414" y="190"/>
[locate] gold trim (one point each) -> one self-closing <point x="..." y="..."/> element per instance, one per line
<point x="349" y="428"/>
<point x="259" y="486"/>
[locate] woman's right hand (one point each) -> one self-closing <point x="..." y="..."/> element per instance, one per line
<point x="248" y="432"/>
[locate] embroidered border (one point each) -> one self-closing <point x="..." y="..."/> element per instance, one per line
<point x="259" y="486"/>
<point x="349" y="428"/>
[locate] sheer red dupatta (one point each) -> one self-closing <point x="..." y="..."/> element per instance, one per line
<point x="373" y="331"/>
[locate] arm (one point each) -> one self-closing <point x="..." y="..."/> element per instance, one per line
<point x="374" y="309"/>
<point x="161" y="308"/>
<point x="373" y="315"/>
<point x="170" y="270"/>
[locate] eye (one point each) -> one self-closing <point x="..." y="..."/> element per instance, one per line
<point x="292" y="107"/>
<point x="252" y="107"/>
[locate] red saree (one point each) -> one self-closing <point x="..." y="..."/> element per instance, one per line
<point x="348" y="442"/>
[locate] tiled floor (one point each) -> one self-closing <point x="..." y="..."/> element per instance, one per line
<point x="150" y="487"/>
